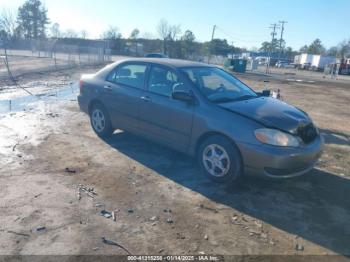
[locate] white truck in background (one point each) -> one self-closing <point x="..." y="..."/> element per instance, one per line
<point x="319" y="62"/>
<point x="303" y="61"/>
<point x="314" y="62"/>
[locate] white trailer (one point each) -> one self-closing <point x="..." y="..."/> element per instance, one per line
<point x="305" y="59"/>
<point x="319" y="61"/>
<point x="315" y="62"/>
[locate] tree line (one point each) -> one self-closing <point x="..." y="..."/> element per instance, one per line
<point x="31" y="22"/>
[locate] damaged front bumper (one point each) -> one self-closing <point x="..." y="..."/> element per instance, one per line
<point x="281" y="162"/>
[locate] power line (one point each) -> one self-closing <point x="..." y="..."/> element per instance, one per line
<point x="234" y="37"/>
<point x="242" y="35"/>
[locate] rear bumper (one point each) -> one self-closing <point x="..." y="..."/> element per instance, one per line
<point x="83" y="104"/>
<point x="279" y="162"/>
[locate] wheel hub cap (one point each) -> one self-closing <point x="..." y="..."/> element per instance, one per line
<point x="216" y="160"/>
<point x="98" y="120"/>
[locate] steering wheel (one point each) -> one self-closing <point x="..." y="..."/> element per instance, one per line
<point x="220" y="89"/>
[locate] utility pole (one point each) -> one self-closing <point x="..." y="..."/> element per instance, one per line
<point x="282" y="31"/>
<point x="211" y="42"/>
<point x="273" y="34"/>
<point x="212" y="35"/>
<point x="274" y="27"/>
<point x="233" y="49"/>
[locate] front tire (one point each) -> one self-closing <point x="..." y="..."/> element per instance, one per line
<point x="219" y="159"/>
<point x="100" y="121"/>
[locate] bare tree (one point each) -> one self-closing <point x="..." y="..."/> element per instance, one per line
<point x="148" y="35"/>
<point x="70" y="33"/>
<point x="174" y="31"/>
<point x="344" y="49"/>
<point x="55" y="30"/>
<point x="163" y="28"/>
<point x="7" y="32"/>
<point x="8" y="23"/>
<point x="168" y="32"/>
<point x="84" y="34"/>
<point x="111" y="33"/>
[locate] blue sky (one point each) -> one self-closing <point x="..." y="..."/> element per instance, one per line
<point x="245" y="22"/>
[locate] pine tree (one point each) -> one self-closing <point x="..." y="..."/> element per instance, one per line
<point x="32" y="19"/>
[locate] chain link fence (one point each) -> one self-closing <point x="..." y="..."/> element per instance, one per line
<point x="29" y="56"/>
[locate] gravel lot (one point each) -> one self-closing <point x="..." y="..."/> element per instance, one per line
<point x="162" y="204"/>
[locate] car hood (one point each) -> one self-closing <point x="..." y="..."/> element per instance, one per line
<point x="270" y="112"/>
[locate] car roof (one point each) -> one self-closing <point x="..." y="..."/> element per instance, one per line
<point x="177" y="63"/>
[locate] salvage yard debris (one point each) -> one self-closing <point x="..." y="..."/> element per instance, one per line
<point x="40" y="229"/>
<point x="114" y="214"/>
<point x="14" y="147"/>
<point x="19" y="234"/>
<point x="88" y="190"/>
<point x="106" y="214"/>
<point x="154" y="218"/>
<point x="299" y="247"/>
<point x="70" y="170"/>
<point x="112" y="243"/>
<point x="208" y="208"/>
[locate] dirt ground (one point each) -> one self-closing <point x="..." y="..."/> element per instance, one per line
<point x="163" y="205"/>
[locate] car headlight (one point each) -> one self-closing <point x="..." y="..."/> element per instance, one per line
<point x="275" y="137"/>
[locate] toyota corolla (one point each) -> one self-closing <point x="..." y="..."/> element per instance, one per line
<point x="205" y="112"/>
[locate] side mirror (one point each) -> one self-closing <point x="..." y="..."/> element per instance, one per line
<point x="266" y="93"/>
<point x="183" y="95"/>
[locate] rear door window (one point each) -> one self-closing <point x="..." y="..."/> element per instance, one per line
<point x="132" y="75"/>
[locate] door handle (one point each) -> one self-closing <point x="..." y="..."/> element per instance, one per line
<point x="107" y="87"/>
<point x="145" y="98"/>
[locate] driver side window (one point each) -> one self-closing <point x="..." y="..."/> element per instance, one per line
<point x="161" y="81"/>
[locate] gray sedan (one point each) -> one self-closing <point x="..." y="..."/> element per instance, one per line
<point x="205" y="112"/>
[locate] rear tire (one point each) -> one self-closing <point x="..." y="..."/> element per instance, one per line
<point x="100" y="121"/>
<point x="220" y="159"/>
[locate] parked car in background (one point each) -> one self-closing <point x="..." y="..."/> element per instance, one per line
<point x="203" y="111"/>
<point x="156" y="55"/>
<point x="305" y="66"/>
<point x="284" y="64"/>
<point x="344" y="68"/>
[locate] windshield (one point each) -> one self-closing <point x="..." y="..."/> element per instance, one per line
<point x="217" y="85"/>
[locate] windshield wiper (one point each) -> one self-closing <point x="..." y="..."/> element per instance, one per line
<point x="245" y="97"/>
<point x="223" y="100"/>
<point x="227" y="99"/>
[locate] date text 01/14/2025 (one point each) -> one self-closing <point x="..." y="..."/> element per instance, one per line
<point x="174" y="258"/>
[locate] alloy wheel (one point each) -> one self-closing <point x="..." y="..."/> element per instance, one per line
<point x="216" y="160"/>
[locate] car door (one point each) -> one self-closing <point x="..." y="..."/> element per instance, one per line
<point x="167" y="120"/>
<point x="122" y="91"/>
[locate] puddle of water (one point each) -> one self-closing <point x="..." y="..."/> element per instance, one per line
<point x="24" y="103"/>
